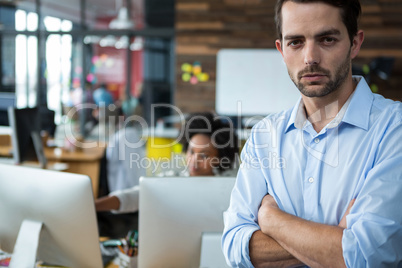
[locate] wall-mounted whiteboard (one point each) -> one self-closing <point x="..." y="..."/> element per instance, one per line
<point x="254" y="79"/>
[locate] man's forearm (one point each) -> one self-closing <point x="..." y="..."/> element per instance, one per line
<point x="266" y="252"/>
<point x="107" y="203"/>
<point x="316" y="245"/>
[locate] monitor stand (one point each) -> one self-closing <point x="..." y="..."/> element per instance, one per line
<point x="38" y="145"/>
<point x="211" y="252"/>
<point x="26" y="246"/>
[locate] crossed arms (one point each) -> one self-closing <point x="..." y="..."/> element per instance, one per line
<point x="286" y="240"/>
<point x="267" y="234"/>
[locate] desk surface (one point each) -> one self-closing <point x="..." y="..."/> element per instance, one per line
<point x="6" y="151"/>
<point x="86" y="154"/>
<point x="59" y="154"/>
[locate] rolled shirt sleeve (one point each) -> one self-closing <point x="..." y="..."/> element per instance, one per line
<point x="240" y="219"/>
<point x="129" y="199"/>
<point x="374" y="234"/>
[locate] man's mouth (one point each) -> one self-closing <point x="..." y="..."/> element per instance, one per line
<point x="312" y="76"/>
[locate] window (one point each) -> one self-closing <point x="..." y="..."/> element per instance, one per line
<point x="57" y="66"/>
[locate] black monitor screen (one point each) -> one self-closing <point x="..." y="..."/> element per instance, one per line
<point x="26" y="140"/>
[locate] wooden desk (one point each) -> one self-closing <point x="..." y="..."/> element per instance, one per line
<point x="86" y="162"/>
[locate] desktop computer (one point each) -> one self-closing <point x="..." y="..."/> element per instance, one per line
<point x="181" y="221"/>
<point x="48" y="216"/>
<point x="26" y="140"/>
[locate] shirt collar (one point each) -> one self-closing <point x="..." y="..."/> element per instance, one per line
<point x="358" y="113"/>
<point x="297" y="113"/>
<point x="355" y="111"/>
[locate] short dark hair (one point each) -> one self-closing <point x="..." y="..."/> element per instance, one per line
<point x="350" y="13"/>
<point x="221" y="133"/>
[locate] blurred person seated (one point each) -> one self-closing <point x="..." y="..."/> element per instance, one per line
<point x="118" y="174"/>
<point x="102" y="99"/>
<point x="210" y="146"/>
<point x="126" y="144"/>
<point x="102" y="96"/>
<point x="105" y="113"/>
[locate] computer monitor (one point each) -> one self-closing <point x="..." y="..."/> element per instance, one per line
<point x="174" y="213"/>
<point x="6" y="100"/>
<point x="47" y="117"/>
<point x="62" y="202"/>
<point x="26" y="140"/>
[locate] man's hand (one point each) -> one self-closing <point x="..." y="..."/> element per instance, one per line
<point x="266" y="212"/>
<point x="264" y="250"/>
<point x="315" y="244"/>
<point x="268" y="200"/>
<point x="342" y="223"/>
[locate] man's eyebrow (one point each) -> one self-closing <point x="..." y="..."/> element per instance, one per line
<point x="291" y="37"/>
<point x="328" y="32"/>
<point x="324" y="33"/>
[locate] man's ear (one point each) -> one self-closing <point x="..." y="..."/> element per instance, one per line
<point x="356" y="44"/>
<point x="278" y="45"/>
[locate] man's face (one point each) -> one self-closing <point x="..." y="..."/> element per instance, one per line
<point x="315" y="47"/>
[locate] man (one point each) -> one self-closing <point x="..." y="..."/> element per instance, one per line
<point x="334" y="201"/>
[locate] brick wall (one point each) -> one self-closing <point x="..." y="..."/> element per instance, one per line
<point x="205" y="26"/>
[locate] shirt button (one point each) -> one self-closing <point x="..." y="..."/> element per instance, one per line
<point x="311" y="180"/>
<point x="316" y="140"/>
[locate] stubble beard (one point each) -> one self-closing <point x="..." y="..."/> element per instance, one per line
<point x="332" y="85"/>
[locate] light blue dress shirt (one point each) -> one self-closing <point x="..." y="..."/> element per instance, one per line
<point x="315" y="175"/>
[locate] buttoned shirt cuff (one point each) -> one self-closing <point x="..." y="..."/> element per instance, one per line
<point x="129" y="199"/>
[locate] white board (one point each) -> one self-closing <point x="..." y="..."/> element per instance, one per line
<point x="255" y="79"/>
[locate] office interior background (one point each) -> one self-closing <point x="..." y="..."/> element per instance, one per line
<point x="49" y="47"/>
<point x="139" y="48"/>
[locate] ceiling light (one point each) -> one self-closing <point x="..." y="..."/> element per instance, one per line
<point x="122" y="21"/>
<point x="122" y="42"/>
<point x="138" y="44"/>
<point x="91" y="39"/>
<point x="108" y="41"/>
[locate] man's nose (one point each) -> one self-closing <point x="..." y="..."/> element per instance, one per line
<point x="311" y="54"/>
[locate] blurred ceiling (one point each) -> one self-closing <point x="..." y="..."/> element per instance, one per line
<point x="97" y="11"/>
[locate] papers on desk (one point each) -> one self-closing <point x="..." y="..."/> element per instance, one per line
<point x="58" y="166"/>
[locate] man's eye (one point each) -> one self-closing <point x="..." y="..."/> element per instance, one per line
<point x="294" y="43"/>
<point x="328" y="40"/>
